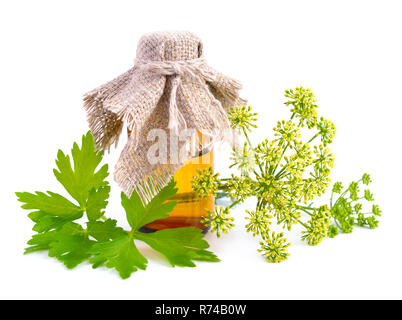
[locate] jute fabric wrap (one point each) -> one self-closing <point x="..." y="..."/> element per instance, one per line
<point x="170" y="87"/>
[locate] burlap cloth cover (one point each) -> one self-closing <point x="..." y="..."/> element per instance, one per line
<point x="170" y="87"/>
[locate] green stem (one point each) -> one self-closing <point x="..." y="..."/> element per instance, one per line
<point x="343" y="194"/>
<point x="260" y="203"/>
<point x="251" y="146"/>
<point x="315" y="136"/>
<point x="306" y="212"/>
<point x="302" y="223"/>
<point x="304" y="207"/>
<point x="278" y="175"/>
<point x="364" y="213"/>
<point x="234" y="203"/>
<point x="247" y="138"/>
<point x="280" y="159"/>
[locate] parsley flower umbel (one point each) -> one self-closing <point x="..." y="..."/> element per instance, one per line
<point x="274" y="247"/>
<point x="243" y="159"/>
<point x="242" y="118"/>
<point x="347" y="211"/>
<point x="326" y="130"/>
<point x="206" y="182"/>
<point x="259" y="222"/>
<point x="285" y="174"/>
<point x="337" y="187"/>
<point x="318" y="226"/>
<point x="241" y="188"/>
<point x="286" y="131"/>
<point x="303" y="105"/>
<point x="219" y="221"/>
<point x="366" y="179"/>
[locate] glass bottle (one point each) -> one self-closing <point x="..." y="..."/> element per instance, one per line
<point x="190" y="207"/>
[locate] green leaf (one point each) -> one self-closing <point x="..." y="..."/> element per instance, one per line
<point x="102" y="242"/>
<point x="51" y="203"/>
<point x="84" y="177"/>
<point x="157" y="208"/>
<point x="104" y="230"/>
<point x="45" y="222"/>
<point x="97" y="202"/>
<point x="180" y="246"/>
<point x="53" y="210"/>
<point x="121" y="254"/>
<point x="40" y="242"/>
<point x="69" y="245"/>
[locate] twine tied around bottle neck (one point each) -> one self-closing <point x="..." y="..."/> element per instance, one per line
<point x="194" y="69"/>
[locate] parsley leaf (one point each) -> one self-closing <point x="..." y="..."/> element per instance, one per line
<point x="97" y="201"/>
<point x="69" y="245"/>
<point x="53" y="209"/>
<point x="121" y="254"/>
<point x="83" y="178"/>
<point x="179" y="245"/>
<point x="46" y="222"/>
<point x="51" y="203"/>
<point x="104" y="230"/>
<point x="102" y="242"/>
<point x="138" y="215"/>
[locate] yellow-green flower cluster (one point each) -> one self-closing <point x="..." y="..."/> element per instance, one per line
<point x="243" y="159"/>
<point x="317" y="226"/>
<point x="326" y="130"/>
<point x="240" y="188"/>
<point x="259" y="222"/>
<point x="219" y="220"/>
<point x="274" y="247"/>
<point x="324" y="160"/>
<point x="269" y="153"/>
<point x="366" y="179"/>
<point x="286" y="131"/>
<point x="205" y="182"/>
<point x="285" y="171"/>
<point x="284" y="174"/>
<point x="337" y="187"/>
<point x="242" y="118"/>
<point x="347" y="211"/>
<point x="303" y="105"/>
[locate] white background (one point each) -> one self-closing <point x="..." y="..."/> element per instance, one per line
<point x="348" y="52"/>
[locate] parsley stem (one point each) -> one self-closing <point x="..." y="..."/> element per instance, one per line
<point x="302" y="223"/>
<point x="304" y="207"/>
<point x="343" y="194"/>
<point x="234" y="203"/>
<point x="280" y="159"/>
<point x="278" y="175"/>
<point x="260" y="204"/>
<point x="247" y="138"/>
<point x="251" y="146"/>
<point x="306" y="211"/>
<point x="315" y="136"/>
